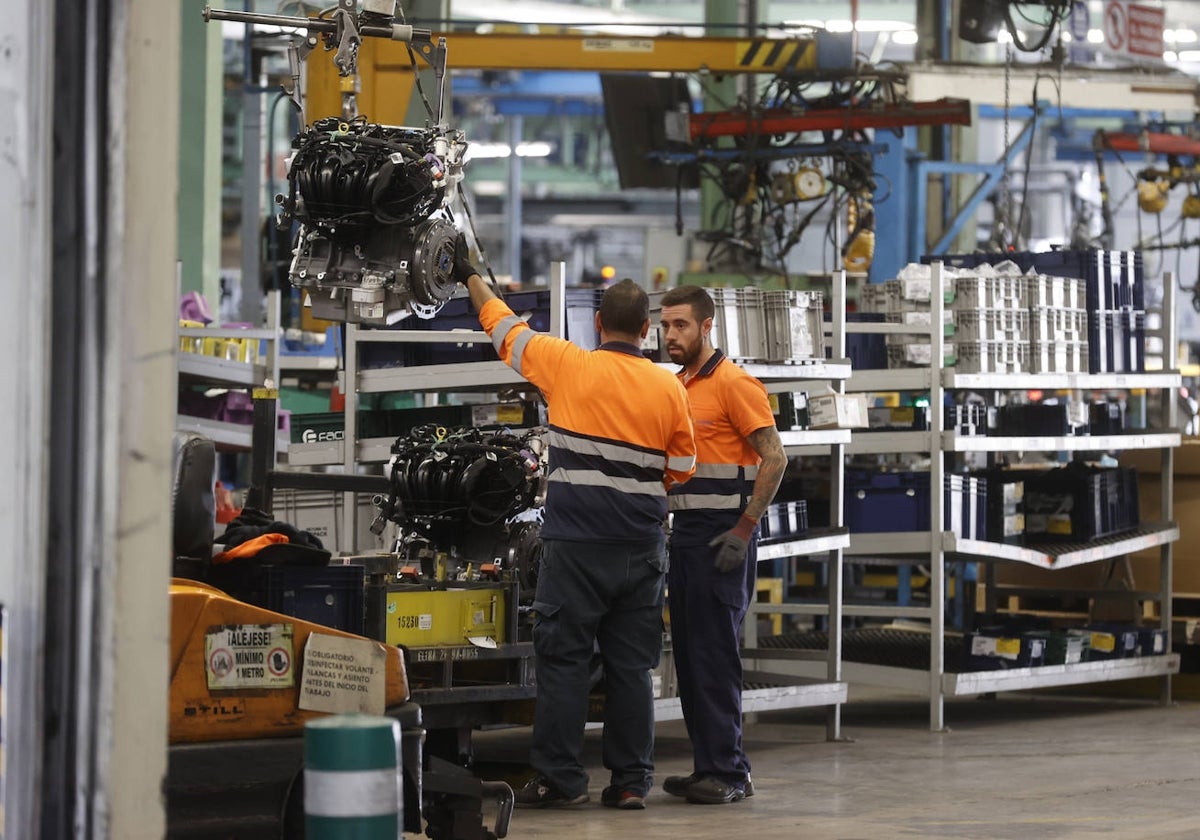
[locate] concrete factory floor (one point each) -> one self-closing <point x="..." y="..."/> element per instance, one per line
<point x="1020" y="766"/>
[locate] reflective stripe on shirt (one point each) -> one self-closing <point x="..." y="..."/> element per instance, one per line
<point x="592" y="476"/>
<point x="714" y="487"/>
<point x="681" y="463"/>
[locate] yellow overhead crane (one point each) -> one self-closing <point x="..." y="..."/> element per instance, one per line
<point x="375" y="53"/>
<point x="385" y="67"/>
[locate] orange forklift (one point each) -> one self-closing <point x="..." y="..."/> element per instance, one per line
<point x="245" y="679"/>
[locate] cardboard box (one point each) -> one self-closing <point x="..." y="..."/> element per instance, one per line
<point x="837" y="411"/>
<point x="1185" y="570"/>
<point x="1144" y="565"/>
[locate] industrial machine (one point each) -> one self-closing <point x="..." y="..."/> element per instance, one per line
<point x="245" y="679"/>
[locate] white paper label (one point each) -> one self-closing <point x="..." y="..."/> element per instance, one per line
<point x="343" y="675"/>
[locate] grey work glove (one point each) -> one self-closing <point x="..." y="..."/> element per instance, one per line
<point x="731" y="546"/>
<point x="463" y="267"/>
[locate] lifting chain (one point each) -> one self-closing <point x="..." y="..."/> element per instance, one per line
<point x="1002" y="233"/>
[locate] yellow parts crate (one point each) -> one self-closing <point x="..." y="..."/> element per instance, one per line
<point x="770" y="590"/>
<point x="421" y="617"/>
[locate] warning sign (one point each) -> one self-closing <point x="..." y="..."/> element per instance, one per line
<point x="343" y="675"/>
<point x="249" y="656"/>
<point x="1133" y="30"/>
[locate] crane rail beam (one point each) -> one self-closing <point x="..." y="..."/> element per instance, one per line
<point x="742" y="123"/>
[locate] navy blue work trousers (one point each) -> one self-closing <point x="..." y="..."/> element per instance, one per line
<point x="707" y="608"/>
<point x="610" y="594"/>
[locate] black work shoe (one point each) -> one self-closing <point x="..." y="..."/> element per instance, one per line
<point x="678" y="785"/>
<point x="539" y="793"/>
<point x="710" y="791"/>
<point x="627" y="800"/>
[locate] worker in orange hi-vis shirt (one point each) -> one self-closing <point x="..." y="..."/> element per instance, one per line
<point x="620" y="438"/>
<point x="714" y="528"/>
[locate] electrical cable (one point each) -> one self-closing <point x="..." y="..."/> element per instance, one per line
<point x="1020" y="231"/>
<point x="462" y="197"/>
<point x="412" y="59"/>
<point x="1058" y="13"/>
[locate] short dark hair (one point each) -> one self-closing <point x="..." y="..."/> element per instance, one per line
<point x="624" y="308"/>
<point x="695" y="297"/>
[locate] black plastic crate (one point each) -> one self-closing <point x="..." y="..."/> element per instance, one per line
<point x="966" y="419"/>
<point x="1106" y="418"/>
<point x="1152" y="642"/>
<point x="884" y="502"/>
<point x="1113" y="641"/>
<point x="997" y="648"/>
<point x="1117" y="341"/>
<point x="906" y="417"/>
<point x="402" y="420"/>
<point x="331" y="596"/>
<point x="1080" y="503"/>
<point x="878" y="502"/>
<point x="783" y="520"/>
<point x="1066" y="647"/>
<point x="865" y="351"/>
<point x="1033" y="419"/>
<point x="790" y="409"/>
<point x="1005" y="506"/>
<point x="966" y="506"/>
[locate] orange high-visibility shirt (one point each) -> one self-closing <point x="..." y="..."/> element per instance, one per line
<point x="620" y="431"/>
<point x="728" y="405"/>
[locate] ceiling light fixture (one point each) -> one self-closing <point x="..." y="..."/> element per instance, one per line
<point x="483" y="151"/>
<point x="536" y="148"/>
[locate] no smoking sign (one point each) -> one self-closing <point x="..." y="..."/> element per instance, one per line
<point x="1116" y="26"/>
<point x="1133" y="31"/>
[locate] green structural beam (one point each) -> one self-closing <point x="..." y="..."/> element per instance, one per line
<point x="199" y="198"/>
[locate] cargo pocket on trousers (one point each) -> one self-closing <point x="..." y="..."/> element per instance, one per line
<point x="546" y="636"/>
<point x="730" y="589"/>
<point x="658" y="561"/>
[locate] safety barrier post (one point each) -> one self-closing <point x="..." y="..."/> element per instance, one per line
<point x="352" y="778"/>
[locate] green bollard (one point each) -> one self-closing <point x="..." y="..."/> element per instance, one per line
<point x="352" y="778"/>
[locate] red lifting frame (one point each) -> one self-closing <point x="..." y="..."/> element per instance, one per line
<point x="739" y="123"/>
<point x="1149" y="141"/>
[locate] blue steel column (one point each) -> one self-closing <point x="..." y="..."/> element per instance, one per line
<point x="894" y="210"/>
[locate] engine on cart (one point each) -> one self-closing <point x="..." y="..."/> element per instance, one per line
<point x="370" y="200"/>
<point x="468" y="503"/>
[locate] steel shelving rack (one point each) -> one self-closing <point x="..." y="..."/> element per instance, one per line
<point x="195" y="368"/>
<point x="940" y="546"/>
<point x="827" y="544"/>
<point x="772" y="689"/>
